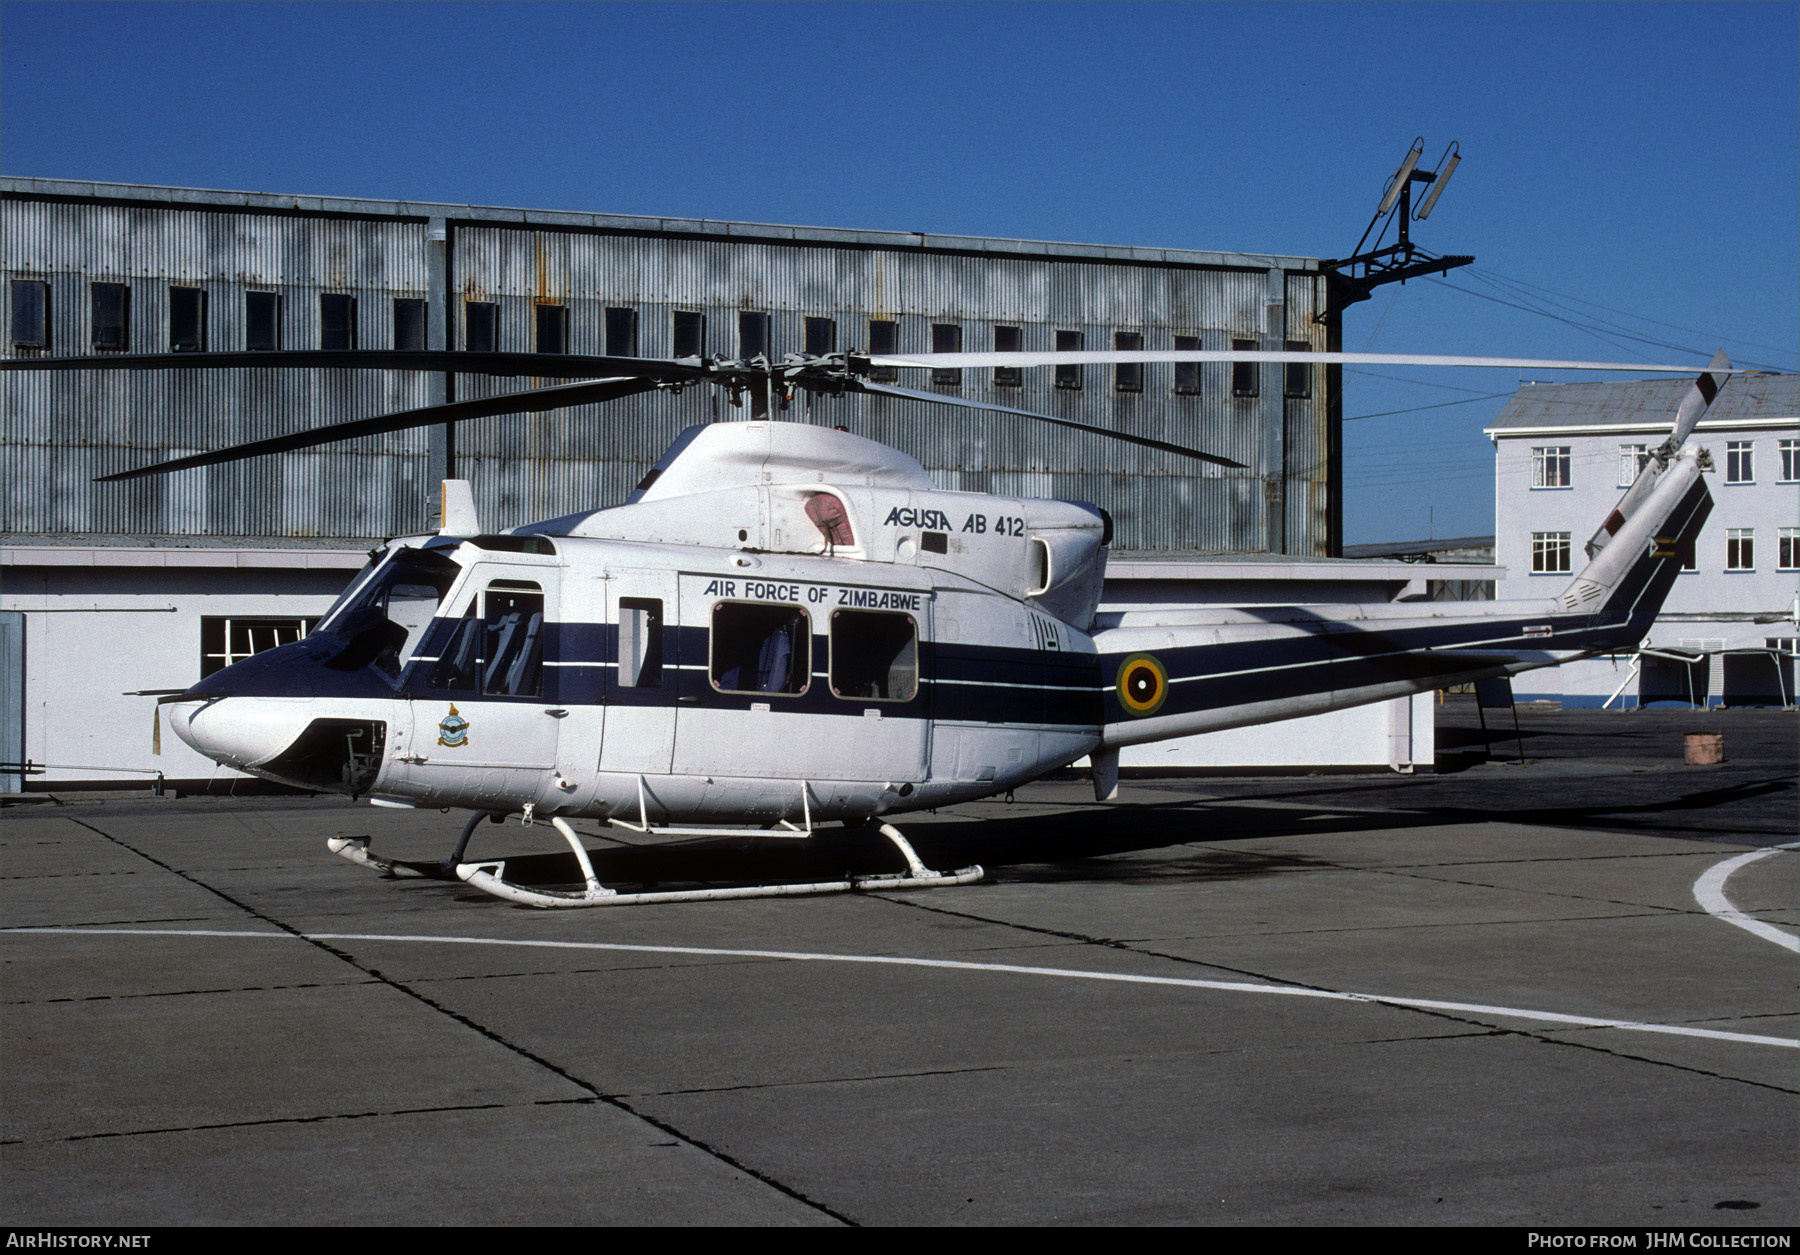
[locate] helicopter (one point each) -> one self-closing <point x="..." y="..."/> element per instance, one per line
<point x="787" y="625"/>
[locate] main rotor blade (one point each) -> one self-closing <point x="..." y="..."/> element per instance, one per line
<point x="1101" y="357"/>
<point x="555" y="397"/>
<point x="539" y="365"/>
<point x="913" y="394"/>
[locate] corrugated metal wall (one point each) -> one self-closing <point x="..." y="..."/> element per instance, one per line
<point x="60" y="430"/>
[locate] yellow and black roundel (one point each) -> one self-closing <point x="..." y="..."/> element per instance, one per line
<point x="1142" y="684"/>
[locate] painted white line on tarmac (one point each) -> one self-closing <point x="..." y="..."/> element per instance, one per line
<point x="1709" y="892"/>
<point x="1065" y="973"/>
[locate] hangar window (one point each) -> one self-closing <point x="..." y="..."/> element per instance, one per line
<point x="337" y="320"/>
<point x="946" y="337"/>
<point x="111" y="306"/>
<point x="30" y="314"/>
<point x="1068" y="377"/>
<point x="1297" y="379"/>
<point x="621" y="331"/>
<point x="1244" y="374"/>
<point x="753" y="334"/>
<point x="225" y="640"/>
<point x="1128" y="376"/>
<point x="550" y="329"/>
<point x="1008" y="340"/>
<point x="187" y="320"/>
<point x="1187" y="374"/>
<point x="884" y="337"/>
<point x="874" y="656"/>
<point x="689" y="334"/>
<point x="640" y="642"/>
<point x="821" y="336"/>
<point x="1549" y="553"/>
<point x="481" y="326"/>
<point x="262" y="321"/>
<point x="409" y="323"/>
<point x="760" y="648"/>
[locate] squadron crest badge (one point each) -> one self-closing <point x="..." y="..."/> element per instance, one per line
<point x="453" y="730"/>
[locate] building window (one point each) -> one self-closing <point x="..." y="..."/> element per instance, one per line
<point x="1128" y="376"/>
<point x="884" y="338"/>
<point x="481" y="326"/>
<point x="621" y="330"/>
<point x="1740" y="462"/>
<point x="262" y="321"/>
<point x="1297" y="378"/>
<point x="409" y="323"/>
<point x="1069" y="376"/>
<point x="1550" y="466"/>
<point x="821" y="336"/>
<point x="30" y="314"/>
<point x="1790" y="461"/>
<point x="111" y="305"/>
<point x="1009" y="340"/>
<point x="224" y="641"/>
<point x="1549" y="553"/>
<point x="687" y="333"/>
<point x="753" y="335"/>
<point x="1740" y="549"/>
<point x="1244" y="374"/>
<point x="1187" y="374"/>
<point x="946" y="337"/>
<point x="1633" y="458"/>
<point x="760" y="648"/>
<point x="337" y="320"/>
<point x="187" y="320"/>
<point x="551" y="329"/>
<point x="1787" y="554"/>
<point x="874" y="656"/>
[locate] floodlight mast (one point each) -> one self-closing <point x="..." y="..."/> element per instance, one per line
<point x="1353" y="278"/>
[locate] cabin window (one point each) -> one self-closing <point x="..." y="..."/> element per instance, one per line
<point x="409" y="323"/>
<point x="884" y="338"/>
<point x="874" y="656"/>
<point x="1068" y="377"/>
<point x="621" y="331"/>
<point x="1128" y="376"/>
<point x="337" y="320"/>
<point x="30" y="314"/>
<point x="640" y="642"/>
<point x="1187" y="374"/>
<point x="481" y="326"/>
<point x="111" y="303"/>
<point x="1297" y="385"/>
<point x="689" y="333"/>
<point x="1244" y="382"/>
<point x="1008" y="340"/>
<point x="946" y="337"/>
<point x="187" y="320"/>
<point x="262" y="321"/>
<point x="760" y="648"/>
<point x="225" y="640"/>
<point x="512" y="663"/>
<point x="821" y="336"/>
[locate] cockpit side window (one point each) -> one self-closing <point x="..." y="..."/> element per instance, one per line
<point x="384" y="616"/>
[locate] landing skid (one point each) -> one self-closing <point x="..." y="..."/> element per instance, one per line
<point x="490" y="877"/>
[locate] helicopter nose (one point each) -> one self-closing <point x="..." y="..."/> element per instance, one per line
<point x="240" y="732"/>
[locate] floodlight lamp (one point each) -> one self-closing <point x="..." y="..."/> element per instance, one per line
<point x="1446" y="167"/>
<point x="1401" y="176"/>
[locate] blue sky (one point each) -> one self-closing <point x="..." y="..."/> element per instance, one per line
<point x="1639" y="165"/>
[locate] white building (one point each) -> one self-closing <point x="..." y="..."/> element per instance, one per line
<point x="1563" y="455"/>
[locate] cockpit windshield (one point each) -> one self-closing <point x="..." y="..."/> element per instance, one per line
<point x="384" y="614"/>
